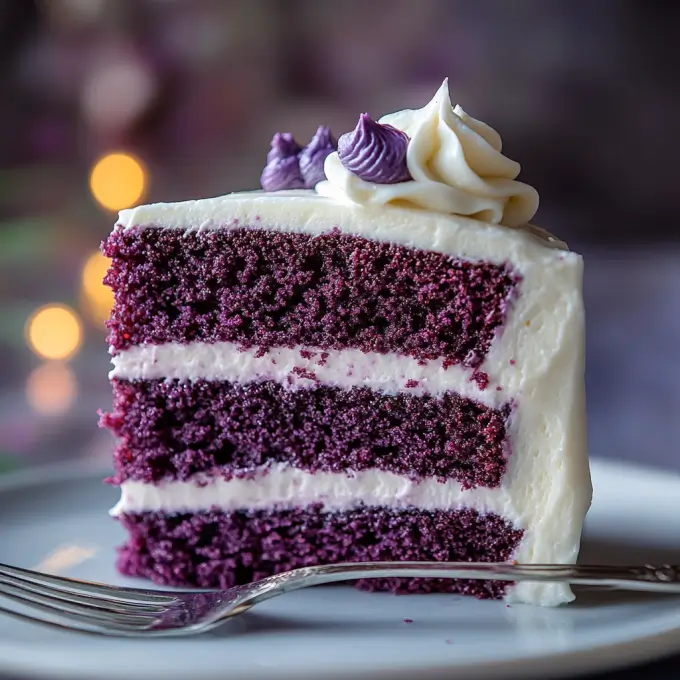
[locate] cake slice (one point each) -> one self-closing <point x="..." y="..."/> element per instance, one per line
<point x="386" y="366"/>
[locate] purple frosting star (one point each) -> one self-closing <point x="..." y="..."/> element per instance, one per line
<point x="374" y="152"/>
<point x="283" y="164"/>
<point x="314" y="155"/>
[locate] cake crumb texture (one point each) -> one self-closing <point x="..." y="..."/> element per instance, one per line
<point x="265" y="289"/>
<point x="172" y="430"/>
<point x="220" y="550"/>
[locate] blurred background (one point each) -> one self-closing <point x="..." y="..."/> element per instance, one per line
<point x="108" y="103"/>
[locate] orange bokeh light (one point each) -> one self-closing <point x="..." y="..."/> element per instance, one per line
<point x="54" y="332"/>
<point x="118" y="180"/>
<point x="51" y="388"/>
<point x="97" y="298"/>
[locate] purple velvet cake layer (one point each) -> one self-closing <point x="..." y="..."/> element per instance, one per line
<point x="334" y="291"/>
<point x="219" y="550"/>
<point x="173" y="429"/>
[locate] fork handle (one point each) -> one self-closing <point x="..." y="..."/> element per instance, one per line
<point x="659" y="578"/>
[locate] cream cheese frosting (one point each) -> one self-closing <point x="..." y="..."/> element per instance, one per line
<point x="302" y="367"/>
<point x="457" y="167"/>
<point x="282" y="485"/>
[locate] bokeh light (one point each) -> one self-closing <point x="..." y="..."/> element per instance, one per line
<point x="51" y="388"/>
<point x="66" y="557"/>
<point x="118" y="180"/>
<point x="118" y="90"/>
<point x="54" y="332"/>
<point x="97" y="298"/>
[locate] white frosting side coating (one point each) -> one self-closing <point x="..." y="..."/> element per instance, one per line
<point x="538" y="357"/>
<point x="456" y="165"/>
<point x="346" y="368"/>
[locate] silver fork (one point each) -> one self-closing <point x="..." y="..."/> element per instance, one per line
<point x="132" y="612"/>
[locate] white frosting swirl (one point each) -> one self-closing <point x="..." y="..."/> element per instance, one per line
<point x="456" y="164"/>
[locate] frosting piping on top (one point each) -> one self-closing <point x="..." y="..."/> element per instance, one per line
<point x="290" y="166"/>
<point x="456" y="166"/>
<point x="283" y="164"/>
<point x="313" y="156"/>
<point x="375" y="152"/>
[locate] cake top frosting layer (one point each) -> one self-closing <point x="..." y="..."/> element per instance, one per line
<point x="306" y="211"/>
<point x="453" y="164"/>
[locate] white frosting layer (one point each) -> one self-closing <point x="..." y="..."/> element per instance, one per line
<point x="306" y="212"/>
<point x="293" y="368"/>
<point x="538" y="358"/>
<point x="285" y="486"/>
<point x="456" y="165"/>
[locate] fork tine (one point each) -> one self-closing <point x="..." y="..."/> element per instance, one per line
<point x="69" y="585"/>
<point x="74" y="626"/>
<point x="50" y="623"/>
<point x="94" y="601"/>
<point x="80" y="612"/>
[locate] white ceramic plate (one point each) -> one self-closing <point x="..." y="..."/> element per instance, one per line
<point x="57" y="519"/>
